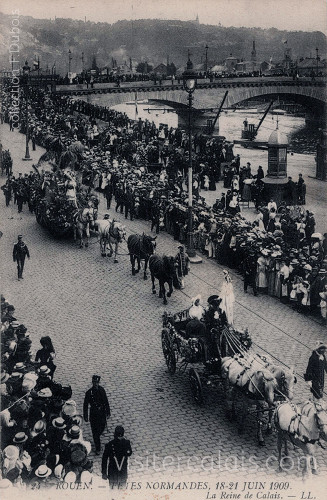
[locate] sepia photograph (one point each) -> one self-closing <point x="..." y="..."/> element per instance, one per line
<point x="163" y="239"/>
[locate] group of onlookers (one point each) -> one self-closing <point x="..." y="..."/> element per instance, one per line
<point x="42" y="442"/>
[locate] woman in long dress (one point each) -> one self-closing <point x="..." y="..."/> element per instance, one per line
<point x="227" y="297"/>
<point x="262" y="264"/>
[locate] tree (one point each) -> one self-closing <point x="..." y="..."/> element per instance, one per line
<point x="94" y="64"/>
<point x="144" y="67"/>
<point x="171" y="69"/>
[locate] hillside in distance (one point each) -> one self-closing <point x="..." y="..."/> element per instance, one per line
<point x="147" y="40"/>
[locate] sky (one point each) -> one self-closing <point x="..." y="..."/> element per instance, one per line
<point x="303" y="15"/>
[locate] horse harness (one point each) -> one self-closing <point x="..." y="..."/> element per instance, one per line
<point x="294" y="432"/>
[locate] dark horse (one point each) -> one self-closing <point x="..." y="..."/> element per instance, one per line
<point x="140" y="248"/>
<point x="163" y="268"/>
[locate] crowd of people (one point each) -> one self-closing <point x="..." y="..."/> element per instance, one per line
<point x="42" y="443"/>
<point x="42" y="440"/>
<point x="144" y="168"/>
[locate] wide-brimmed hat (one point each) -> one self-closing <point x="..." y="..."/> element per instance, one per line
<point x="20" y="438"/>
<point x="70" y="408"/>
<point x="11" y="452"/>
<point x="45" y="393"/>
<point x="44" y="370"/>
<point x="43" y="471"/>
<point x="59" y="423"/>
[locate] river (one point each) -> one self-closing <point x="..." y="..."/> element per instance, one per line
<point x="301" y="157"/>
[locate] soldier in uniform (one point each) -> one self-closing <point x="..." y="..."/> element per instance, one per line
<point x="97" y="399"/>
<point x="20" y="251"/>
<point x="116" y="452"/>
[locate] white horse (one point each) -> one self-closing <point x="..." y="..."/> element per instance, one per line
<point x="111" y="233"/>
<point x="248" y="378"/>
<point x="83" y="219"/>
<point x="103" y="233"/>
<point x="304" y="425"/>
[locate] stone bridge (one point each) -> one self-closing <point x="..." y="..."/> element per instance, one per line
<point x="208" y="95"/>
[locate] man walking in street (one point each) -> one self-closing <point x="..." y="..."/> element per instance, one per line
<point x="250" y="271"/>
<point x="20" y="251"/>
<point x="7" y="189"/>
<point x="117" y="452"/>
<point x="182" y="265"/>
<point x="315" y="374"/>
<point x="97" y="399"/>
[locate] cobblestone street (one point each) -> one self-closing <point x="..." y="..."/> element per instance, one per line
<point x="103" y="320"/>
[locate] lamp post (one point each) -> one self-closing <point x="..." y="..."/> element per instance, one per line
<point x="206" y="66"/>
<point x="189" y="84"/>
<point x="317" y="59"/>
<point x="83" y="67"/>
<point x="26" y="73"/>
<point x="69" y="63"/>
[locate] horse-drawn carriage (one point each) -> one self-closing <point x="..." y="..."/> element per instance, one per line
<point x="220" y="356"/>
<point x="204" y="351"/>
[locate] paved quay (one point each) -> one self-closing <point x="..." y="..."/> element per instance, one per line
<point x="103" y="320"/>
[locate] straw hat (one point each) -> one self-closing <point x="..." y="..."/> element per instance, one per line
<point x="43" y="370"/>
<point x="43" y="471"/>
<point x="59" y="423"/>
<point x="20" y="438"/>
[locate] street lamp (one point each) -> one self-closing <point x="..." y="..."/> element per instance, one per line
<point x="69" y="63"/>
<point x="189" y="84"/>
<point x="206" y="47"/>
<point x="26" y="74"/>
<point x="317" y="58"/>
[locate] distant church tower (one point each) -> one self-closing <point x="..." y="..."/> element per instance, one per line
<point x="197" y="19"/>
<point x="253" y="53"/>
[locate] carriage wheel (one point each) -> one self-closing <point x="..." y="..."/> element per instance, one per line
<point x="196" y="386"/>
<point x="168" y="352"/>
